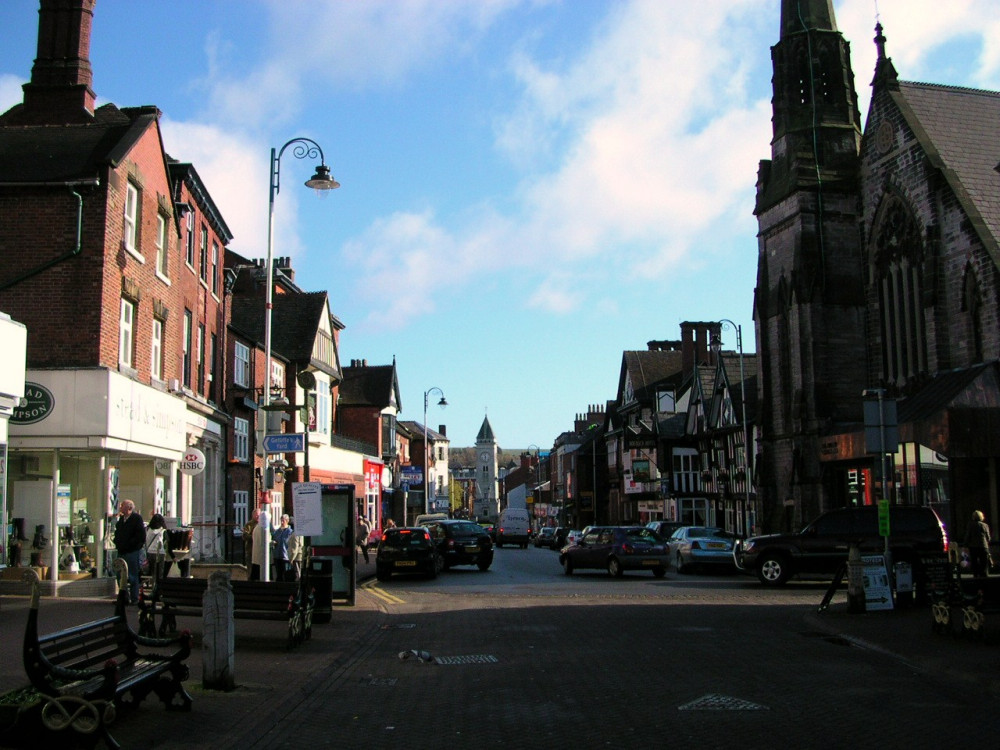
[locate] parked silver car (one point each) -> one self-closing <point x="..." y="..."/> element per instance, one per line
<point x="693" y="546"/>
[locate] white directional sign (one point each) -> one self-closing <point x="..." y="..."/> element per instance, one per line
<point x="285" y="442"/>
<point x="878" y="589"/>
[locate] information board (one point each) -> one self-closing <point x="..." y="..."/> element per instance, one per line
<point x="878" y="585"/>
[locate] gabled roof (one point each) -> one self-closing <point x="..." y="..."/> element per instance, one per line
<point x="959" y="130"/>
<point x="366" y="385"/>
<point x="70" y="153"/>
<point x="295" y="321"/>
<point x="648" y="370"/>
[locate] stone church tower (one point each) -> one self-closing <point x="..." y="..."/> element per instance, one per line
<point x="487" y="495"/>
<point x="810" y="302"/>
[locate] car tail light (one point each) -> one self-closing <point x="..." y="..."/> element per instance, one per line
<point x="451" y="543"/>
<point x="627" y="549"/>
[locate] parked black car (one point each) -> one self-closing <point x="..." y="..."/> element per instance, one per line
<point x="462" y="543"/>
<point x="666" y="529"/>
<point x="822" y="546"/>
<point x="406" y="550"/>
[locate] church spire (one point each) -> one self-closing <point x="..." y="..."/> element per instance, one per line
<point x="798" y="16"/>
<point x="885" y="71"/>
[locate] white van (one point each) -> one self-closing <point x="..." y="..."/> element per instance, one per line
<point x="513" y="527"/>
<point x="428" y="517"/>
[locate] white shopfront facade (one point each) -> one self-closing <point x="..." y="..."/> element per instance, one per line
<point x="83" y="440"/>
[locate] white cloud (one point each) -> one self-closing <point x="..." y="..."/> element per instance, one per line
<point x="10" y="91"/>
<point x="234" y="168"/>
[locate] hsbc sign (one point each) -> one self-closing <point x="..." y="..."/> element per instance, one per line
<point x="193" y="462"/>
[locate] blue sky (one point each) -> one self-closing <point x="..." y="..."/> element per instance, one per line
<point x="529" y="187"/>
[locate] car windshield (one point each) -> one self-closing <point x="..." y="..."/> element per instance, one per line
<point x="467" y="528"/>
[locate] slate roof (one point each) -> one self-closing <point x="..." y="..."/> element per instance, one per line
<point x="71" y="153"/>
<point x="417" y="431"/>
<point x="295" y="319"/>
<point x="959" y="129"/>
<point x="485" y="432"/>
<point x="648" y="369"/>
<point x="373" y="386"/>
<point x="976" y="386"/>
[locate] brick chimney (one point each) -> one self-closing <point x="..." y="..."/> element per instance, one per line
<point x="59" y="92"/>
<point x="696" y="339"/>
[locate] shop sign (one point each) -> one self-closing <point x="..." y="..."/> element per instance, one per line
<point x="38" y="404"/>
<point x="193" y="462"/>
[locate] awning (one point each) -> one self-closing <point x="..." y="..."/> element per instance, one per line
<point x="955" y="413"/>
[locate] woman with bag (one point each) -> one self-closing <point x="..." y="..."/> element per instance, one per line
<point x="157" y="546"/>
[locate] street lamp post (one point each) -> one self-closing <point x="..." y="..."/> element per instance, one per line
<point x="537" y="493"/>
<point x="322" y="180"/>
<point x="427" y="480"/>
<point x="717" y="347"/>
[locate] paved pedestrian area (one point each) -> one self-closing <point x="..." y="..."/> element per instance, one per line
<point x="511" y="672"/>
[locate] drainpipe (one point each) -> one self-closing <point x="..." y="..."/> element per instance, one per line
<point x="65" y="256"/>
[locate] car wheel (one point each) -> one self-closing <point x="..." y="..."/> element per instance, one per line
<point x="485" y="564"/>
<point x="383" y="575"/>
<point x="681" y="567"/>
<point x="567" y="566"/>
<point x="659" y="572"/>
<point x="615" y="567"/>
<point x="773" y="570"/>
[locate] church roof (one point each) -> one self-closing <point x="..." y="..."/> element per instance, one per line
<point x="959" y="129"/>
<point x="485" y="432"/>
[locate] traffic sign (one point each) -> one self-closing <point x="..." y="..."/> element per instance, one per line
<point x="883" y="518"/>
<point x="285" y="442"/>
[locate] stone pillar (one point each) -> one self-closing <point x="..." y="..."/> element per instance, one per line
<point x="219" y="631"/>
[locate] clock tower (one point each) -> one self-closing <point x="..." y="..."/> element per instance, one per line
<point x="487" y="497"/>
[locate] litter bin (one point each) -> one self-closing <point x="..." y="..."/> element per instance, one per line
<point x="321" y="580"/>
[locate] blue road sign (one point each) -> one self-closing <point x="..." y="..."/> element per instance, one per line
<point x="285" y="442"/>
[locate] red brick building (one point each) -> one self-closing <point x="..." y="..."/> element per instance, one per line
<point x="124" y="326"/>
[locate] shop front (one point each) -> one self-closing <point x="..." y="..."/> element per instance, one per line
<point x="81" y="441"/>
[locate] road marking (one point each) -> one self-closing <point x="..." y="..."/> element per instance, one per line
<point x="372" y="588"/>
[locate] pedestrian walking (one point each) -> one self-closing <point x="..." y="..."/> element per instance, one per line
<point x="279" y="539"/>
<point x="977" y="542"/>
<point x="248" y="533"/>
<point x="364" y="531"/>
<point x="129" y="541"/>
<point x="158" y="547"/>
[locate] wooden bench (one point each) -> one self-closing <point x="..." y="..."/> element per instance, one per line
<point x="89" y="670"/>
<point x="252" y="600"/>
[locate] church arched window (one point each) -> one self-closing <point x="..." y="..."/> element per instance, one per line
<point x="972" y="306"/>
<point x="896" y="273"/>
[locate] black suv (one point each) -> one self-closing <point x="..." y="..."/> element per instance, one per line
<point x="462" y="543"/>
<point x="820" y="548"/>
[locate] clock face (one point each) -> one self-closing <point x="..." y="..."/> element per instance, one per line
<point x="484" y="456"/>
